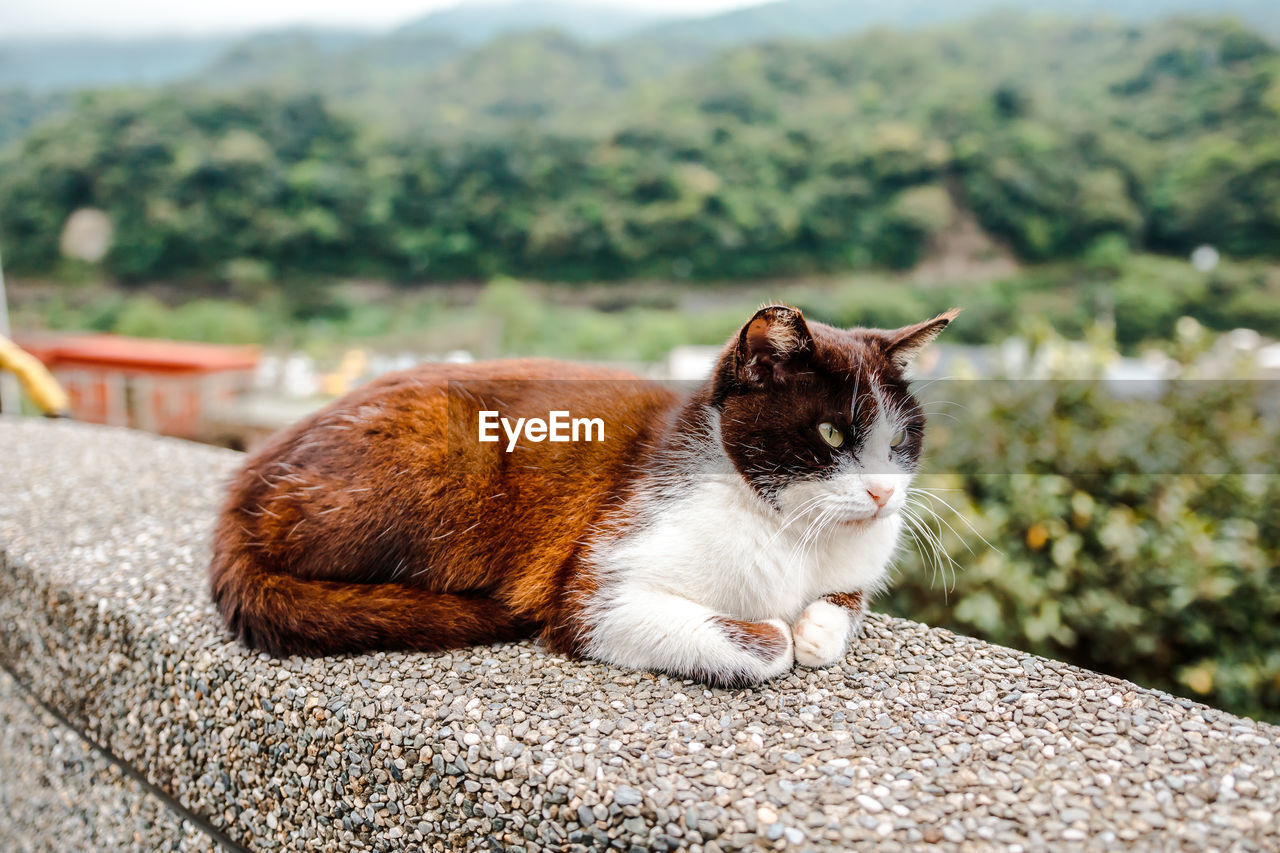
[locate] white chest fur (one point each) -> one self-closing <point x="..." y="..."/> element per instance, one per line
<point x="719" y="545"/>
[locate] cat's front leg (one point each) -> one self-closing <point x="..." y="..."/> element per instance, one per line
<point x="654" y="630"/>
<point x="825" y="627"/>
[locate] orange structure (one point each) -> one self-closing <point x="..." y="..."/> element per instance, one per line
<point x="166" y="387"/>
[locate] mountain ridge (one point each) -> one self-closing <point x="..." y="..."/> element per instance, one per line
<point x="474" y="23"/>
<point x="53" y="65"/>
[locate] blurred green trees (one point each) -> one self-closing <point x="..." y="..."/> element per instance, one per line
<point x="1064" y="140"/>
<point x="1141" y="296"/>
<point x="1100" y="530"/>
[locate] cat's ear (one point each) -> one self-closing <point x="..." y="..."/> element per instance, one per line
<point x="902" y="345"/>
<point x="774" y="344"/>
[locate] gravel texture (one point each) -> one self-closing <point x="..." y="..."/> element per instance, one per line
<point x="918" y="736"/>
<point x="58" y="794"/>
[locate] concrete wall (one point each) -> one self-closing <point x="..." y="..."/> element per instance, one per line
<point x="59" y="792"/>
<point x="919" y="736"/>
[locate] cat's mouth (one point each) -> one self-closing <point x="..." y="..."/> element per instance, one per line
<point x="866" y="520"/>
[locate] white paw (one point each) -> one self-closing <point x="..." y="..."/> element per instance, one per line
<point x="821" y="634"/>
<point x="762" y="657"/>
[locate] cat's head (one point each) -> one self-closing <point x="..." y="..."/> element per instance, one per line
<point x="821" y="420"/>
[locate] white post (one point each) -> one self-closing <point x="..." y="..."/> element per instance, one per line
<point x="9" y="402"/>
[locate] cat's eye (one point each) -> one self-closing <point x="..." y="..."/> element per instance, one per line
<point x="830" y="434"/>
<point x="898" y="437"/>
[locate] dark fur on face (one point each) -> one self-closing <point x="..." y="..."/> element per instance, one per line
<point x="785" y="376"/>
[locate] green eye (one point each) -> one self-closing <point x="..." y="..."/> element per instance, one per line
<point x="830" y="434"/>
<point x="898" y="437"/>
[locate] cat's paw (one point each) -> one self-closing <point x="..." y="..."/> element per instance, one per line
<point x="822" y="634"/>
<point x="760" y="651"/>
<point x="779" y="659"/>
<point x="785" y="656"/>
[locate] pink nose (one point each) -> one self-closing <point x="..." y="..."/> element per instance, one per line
<point x="880" y="493"/>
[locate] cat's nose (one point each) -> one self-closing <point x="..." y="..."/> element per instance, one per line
<point x="880" y="493"/>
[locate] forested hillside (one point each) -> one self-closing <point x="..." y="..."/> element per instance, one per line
<point x="1063" y="140"/>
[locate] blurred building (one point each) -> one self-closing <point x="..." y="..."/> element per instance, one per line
<point x="167" y="387"/>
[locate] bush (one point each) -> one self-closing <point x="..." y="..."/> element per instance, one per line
<point x="1171" y="580"/>
<point x="219" y="322"/>
<point x="143" y="317"/>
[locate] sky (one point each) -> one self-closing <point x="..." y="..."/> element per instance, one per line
<point x="38" y="18"/>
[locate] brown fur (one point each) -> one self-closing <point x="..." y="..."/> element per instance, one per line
<point x="851" y="601"/>
<point x="855" y="603"/>
<point x="761" y="639"/>
<point x="339" y="535"/>
<point x="381" y="523"/>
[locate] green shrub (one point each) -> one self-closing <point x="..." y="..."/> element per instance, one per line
<point x="214" y="321"/>
<point x="143" y="317"/>
<point x="1097" y="554"/>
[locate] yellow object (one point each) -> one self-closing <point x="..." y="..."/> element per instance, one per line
<point x="1200" y="678"/>
<point x="1037" y="535"/>
<point x="39" y="384"/>
<point x="355" y="363"/>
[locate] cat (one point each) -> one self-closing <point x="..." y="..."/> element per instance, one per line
<point x="719" y="535"/>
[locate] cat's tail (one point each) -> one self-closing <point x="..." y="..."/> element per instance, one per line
<point x="283" y="614"/>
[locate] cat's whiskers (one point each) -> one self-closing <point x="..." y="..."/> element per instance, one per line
<point x="801" y="539"/>
<point x="917" y="510"/>
<point x="813" y="535"/>
<point x="930" y="414"/>
<point x="930" y="548"/>
<point x="932" y="494"/>
<point x="938" y="518"/>
<point x="802" y="544"/>
<point x="795" y="516"/>
<point x="963" y="540"/>
<point x="926" y="406"/>
<point x="942" y="555"/>
<point x="916" y="390"/>
<point x="831" y="511"/>
<point x="932" y="553"/>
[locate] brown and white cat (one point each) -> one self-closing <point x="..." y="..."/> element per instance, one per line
<point x="719" y="535"/>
